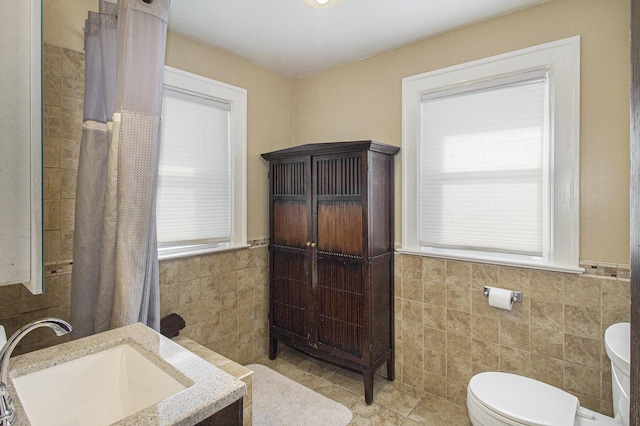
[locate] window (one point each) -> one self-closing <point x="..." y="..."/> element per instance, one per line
<point x="202" y="184"/>
<point x="491" y="159"/>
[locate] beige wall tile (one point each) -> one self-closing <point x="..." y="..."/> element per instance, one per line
<point x="229" y="319"/>
<point x="412" y="289"/>
<point x="435" y="316"/>
<point x="457" y="393"/>
<point x="546" y="285"/>
<point x="547" y="314"/>
<point x="581" y="321"/>
<point x="582" y="291"/>
<point x="435" y="340"/>
<point x="547" y="370"/>
<point x="579" y="378"/>
<point x="435" y="362"/>
<point x="516" y="279"/>
<point x="613" y="317"/>
<point x="615" y="295"/>
<point x="189" y="268"/>
<point x="459" y="297"/>
<point x="515" y="361"/>
<point x="547" y="342"/>
<point x="413" y="376"/>
<point x="210" y="287"/>
<point x="434" y="292"/>
<point x="459" y="322"/>
<point x="458" y="346"/>
<point x="486" y="354"/>
<point x="412" y="267"/>
<point x="514" y="334"/>
<point x="484" y="275"/>
<point x="412" y="311"/>
<point x="413" y="333"/>
<point x="582" y="350"/>
<point x="435" y="384"/>
<point x="433" y="270"/>
<point x="413" y="355"/>
<point x="485" y="328"/>
<point x="457" y="273"/>
<point x="458" y="369"/>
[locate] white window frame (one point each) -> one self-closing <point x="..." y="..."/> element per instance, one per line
<point x="236" y="98"/>
<point x="560" y="60"/>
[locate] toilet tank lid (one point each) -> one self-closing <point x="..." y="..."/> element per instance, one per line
<point x="617" y="342"/>
<point x="524" y="400"/>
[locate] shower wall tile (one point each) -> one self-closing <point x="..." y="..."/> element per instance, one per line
<point x="17" y="305"/>
<point x="554" y="335"/>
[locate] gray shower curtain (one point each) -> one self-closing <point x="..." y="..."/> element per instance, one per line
<point x="115" y="270"/>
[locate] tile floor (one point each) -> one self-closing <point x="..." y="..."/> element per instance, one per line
<point x="393" y="404"/>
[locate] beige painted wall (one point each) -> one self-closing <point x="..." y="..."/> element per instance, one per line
<point x="270" y="95"/>
<point x="270" y="113"/>
<point x="362" y="100"/>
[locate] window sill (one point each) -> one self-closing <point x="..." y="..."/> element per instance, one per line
<point x="488" y="258"/>
<point x="191" y="251"/>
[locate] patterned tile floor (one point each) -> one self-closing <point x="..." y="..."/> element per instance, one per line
<point x="393" y="404"/>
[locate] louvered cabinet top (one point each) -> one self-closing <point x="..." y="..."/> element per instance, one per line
<point x="331" y="148"/>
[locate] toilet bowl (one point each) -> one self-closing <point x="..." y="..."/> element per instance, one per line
<point x="499" y="399"/>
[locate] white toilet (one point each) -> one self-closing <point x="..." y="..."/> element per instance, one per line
<point x="499" y="399"/>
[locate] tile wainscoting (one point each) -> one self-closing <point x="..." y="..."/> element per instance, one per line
<point x="446" y="331"/>
<point x="222" y="298"/>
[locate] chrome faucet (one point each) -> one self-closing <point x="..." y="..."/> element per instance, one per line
<point x="7" y="411"/>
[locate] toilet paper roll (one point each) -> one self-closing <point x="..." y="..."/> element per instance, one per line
<point x="500" y="298"/>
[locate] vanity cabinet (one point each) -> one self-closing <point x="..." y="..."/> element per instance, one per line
<point x="331" y="254"/>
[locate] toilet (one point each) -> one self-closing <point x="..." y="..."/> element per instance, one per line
<point x="499" y="399"/>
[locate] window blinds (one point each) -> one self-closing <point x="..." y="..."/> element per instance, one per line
<point x="194" y="188"/>
<point x="483" y="181"/>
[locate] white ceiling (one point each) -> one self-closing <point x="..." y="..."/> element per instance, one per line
<point x="295" y="40"/>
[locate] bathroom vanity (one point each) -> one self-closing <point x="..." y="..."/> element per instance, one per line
<point x="198" y="393"/>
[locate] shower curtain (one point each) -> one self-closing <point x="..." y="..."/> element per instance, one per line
<point x="115" y="268"/>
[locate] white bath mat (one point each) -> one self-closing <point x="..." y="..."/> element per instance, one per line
<point x="280" y="401"/>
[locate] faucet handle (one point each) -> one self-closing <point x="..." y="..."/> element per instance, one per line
<point x="7" y="409"/>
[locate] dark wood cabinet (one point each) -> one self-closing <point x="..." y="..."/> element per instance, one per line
<point x="331" y="253"/>
<point x="231" y="415"/>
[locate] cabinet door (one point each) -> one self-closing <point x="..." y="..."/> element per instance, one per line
<point x="340" y="232"/>
<point x="290" y="226"/>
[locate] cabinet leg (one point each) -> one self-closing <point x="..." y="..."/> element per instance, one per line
<point x="368" y="385"/>
<point x="273" y="348"/>
<point x="391" y="368"/>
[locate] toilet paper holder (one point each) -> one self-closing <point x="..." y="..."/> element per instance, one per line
<point x="516" y="296"/>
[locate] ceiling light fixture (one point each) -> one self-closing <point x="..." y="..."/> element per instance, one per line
<point x="321" y="4"/>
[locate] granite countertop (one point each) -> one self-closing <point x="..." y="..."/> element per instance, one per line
<point x="208" y="389"/>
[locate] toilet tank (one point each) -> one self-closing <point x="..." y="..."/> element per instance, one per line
<point x="617" y="341"/>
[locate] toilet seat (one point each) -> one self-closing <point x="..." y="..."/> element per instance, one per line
<point x="519" y="400"/>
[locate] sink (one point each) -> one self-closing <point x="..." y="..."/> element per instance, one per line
<point x="97" y="389"/>
<point x="128" y="376"/>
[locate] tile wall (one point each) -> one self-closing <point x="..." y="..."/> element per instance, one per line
<point x="222" y="298"/>
<point x="445" y="329"/>
<point x="62" y="121"/>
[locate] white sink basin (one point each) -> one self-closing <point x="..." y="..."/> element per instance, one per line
<point x="97" y="389"/>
